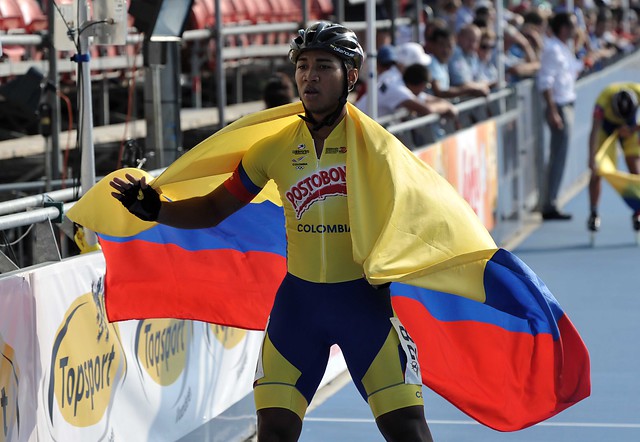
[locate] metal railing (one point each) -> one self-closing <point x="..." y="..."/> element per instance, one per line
<point x="189" y="36"/>
<point x="33" y="216"/>
<point x="463" y="106"/>
<point x="28" y="202"/>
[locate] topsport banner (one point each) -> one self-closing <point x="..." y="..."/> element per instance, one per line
<point x="67" y="374"/>
<point x="134" y="380"/>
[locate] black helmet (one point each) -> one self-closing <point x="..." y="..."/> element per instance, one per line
<point x="625" y="104"/>
<point x="330" y="37"/>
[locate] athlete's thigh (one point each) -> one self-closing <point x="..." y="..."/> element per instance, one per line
<point x="611" y="153"/>
<point x="380" y="354"/>
<point x="294" y="352"/>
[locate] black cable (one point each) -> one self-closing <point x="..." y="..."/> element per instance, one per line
<point x="93" y="23"/>
<point x="7" y="244"/>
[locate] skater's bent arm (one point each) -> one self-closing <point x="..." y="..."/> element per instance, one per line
<point x="200" y="212"/>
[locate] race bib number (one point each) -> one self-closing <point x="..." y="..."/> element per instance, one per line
<point x="412" y="370"/>
<point x="259" y="367"/>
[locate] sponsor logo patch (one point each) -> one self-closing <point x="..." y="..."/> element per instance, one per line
<point x="336" y="150"/>
<point x="300" y="154"/>
<point x="317" y="186"/>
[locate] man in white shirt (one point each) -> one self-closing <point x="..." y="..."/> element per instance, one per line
<point x="412" y="53"/>
<point x="393" y="93"/>
<point x="557" y="76"/>
<point x="390" y="91"/>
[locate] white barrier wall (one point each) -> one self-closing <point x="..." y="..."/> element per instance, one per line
<point x="66" y="374"/>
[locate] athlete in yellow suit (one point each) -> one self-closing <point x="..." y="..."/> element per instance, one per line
<point x="324" y="295"/>
<point x="615" y="109"/>
<point x="324" y="298"/>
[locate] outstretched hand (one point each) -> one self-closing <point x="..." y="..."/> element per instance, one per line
<point x="137" y="197"/>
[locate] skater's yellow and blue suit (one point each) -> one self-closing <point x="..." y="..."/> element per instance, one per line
<point x="626" y="184"/>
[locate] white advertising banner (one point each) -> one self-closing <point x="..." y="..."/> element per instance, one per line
<point x="82" y="362"/>
<point x="17" y="356"/>
<point x="180" y="374"/>
<point x="135" y="380"/>
<point x="147" y="380"/>
<point x="67" y="374"/>
<point x="469" y="161"/>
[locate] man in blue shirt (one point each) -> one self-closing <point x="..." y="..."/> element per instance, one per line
<point x="441" y="44"/>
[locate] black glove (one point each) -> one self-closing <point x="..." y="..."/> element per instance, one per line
<point x="143" y="203"/>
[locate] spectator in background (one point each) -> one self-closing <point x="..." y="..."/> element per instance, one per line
<point x="481" y="23"/>
<point x="601" y="40"/>
<point x="544" y="7"/>
<point x="485" y="16"/>
<point x="414" y="63"/>
<point x="629" y="32"/>
<point x="578" y="10"/>
<point x="463" y="65"/>
<point x="416" y="78"/>
<point x="441" y="45"/>
<point x="393" y="93"/>
<point x="533" y="18"/>
<point x="390" y="94"/>
<point x="557" y="76"/>
<point x="604" y="39"/>
<point x="465" y="14"/>
<point x="448" y="12"/>
<point x="521" y="60"/>
<point x="534" y="27"/>
<point x="581" y="43"/>
<point x="487" y="69"/>
<point x="436" y="23"/>
<point x="278" y="90"/>
<point x="411" y="53"/>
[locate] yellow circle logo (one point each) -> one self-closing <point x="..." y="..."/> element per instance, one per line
<point x="229" y="337"/>
<point x="162" y="346"/>
<point x="9" y="414"/>
<point x="87" y="362"/>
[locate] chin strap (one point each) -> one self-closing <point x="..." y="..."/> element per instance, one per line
<point x="329" y="119"/>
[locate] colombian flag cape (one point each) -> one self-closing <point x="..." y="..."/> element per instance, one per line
<point x="492" y="339"/>
<point x="626" y="184"/>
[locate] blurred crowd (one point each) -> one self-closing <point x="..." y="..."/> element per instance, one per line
<point x="461" y="49"/>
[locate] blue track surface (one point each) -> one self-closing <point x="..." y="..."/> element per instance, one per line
<point x="599" y="289"/>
